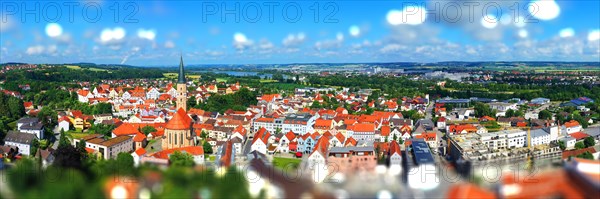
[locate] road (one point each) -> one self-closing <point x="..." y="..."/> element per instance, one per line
<point x="428" y="111"/>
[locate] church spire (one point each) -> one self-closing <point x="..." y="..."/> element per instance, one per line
<point x="181" y="73"/>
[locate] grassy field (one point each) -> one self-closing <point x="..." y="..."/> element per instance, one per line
<point x="268" y="81"/>
<point x="74" y="67"/>
<point x="175" y="75"/>
<point x="286" y="163"/>
<point x="75" y="135"/>
<point x="170" y="75"/>
<point x="221" y="79"/>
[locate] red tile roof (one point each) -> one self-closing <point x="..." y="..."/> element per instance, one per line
<point x="180" y="121"/>
<point x="340" y="137"/>
<point x="193" y="150"/>
<point x="263" y="135"/>
<point x="395" y="148"/>
<point x="571" y="123"/>
<point x="579" y="135"/>
<point x="567" y="154"/>
<point x="385" y="130"/>
<point x="126" y="129"/>
<point x="363" y="127"/>
<point x="290" y="135"/>
<point x="139" y="137"/>
<point x="350" y="142"/>
<point x="140" y="151"/>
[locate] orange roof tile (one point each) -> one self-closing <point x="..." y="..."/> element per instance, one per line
<point x="180" y="121"/>
<point x="571" y="123"/>
<point x="126" y="129"/>
<point x="193" y="150"/>
<point x="385" y="130"/>
<point x="140" y="151"/>
<point x="395" y="148"/>
<point x="139" y="137"/>
<point x="363" y="127"/>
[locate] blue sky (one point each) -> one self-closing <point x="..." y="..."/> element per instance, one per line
<point x="206" y="32"/>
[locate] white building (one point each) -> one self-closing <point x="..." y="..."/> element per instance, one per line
<point x="298" y="123"/>
<point x="506" y="139"/>
<point x="22" y="141"/>
<point x="31" y="126"/>
<point x="153" y="93"/>
<point x="502" y="107"/>
<point x="108" y="148"/>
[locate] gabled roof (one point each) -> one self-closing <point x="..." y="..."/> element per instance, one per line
<point x="395" y="148"/>
<point x="263" y="135"/>
<point x="290" y="135"/>
<point x="350" y="142"/>
<point x="139" y="137"/>
<point x="364" y="127"/>
<point x="140" y="151"/>
<point x="572" y="123"/>
<point x="385" y="130"/>
<point x="340" y="137"/>
<point x="180" y="121"/>
<point x="126" y="129"/>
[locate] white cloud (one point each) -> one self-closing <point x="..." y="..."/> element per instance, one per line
<point x="544" y="9"/>
<point x="392" y="48"/>
<point x="523" y="33"/>
<point x="265" y="44"/>
<point x="53" y="30"/>
<point x="110" y="35"/>
<point x="594" y="35"/>
<point x="35" y="50"/>
<point x="146" y="34"/>
<point x="6" y="24"/>
<point x="489" y="21"/>
<point x="354" y="31"/>
<point x="411" y="15"/>
<point x="294" y="40"/>
<point x="567" y="32"/>
<point x="339" y="36"/>
<point x="169" y="44"/>
<point x="240" y="41"/>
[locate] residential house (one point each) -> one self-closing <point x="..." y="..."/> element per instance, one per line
<point x="22" y="141"/>
<point x="107" y="148"/>
<point x="395" y="154"/>
<point x="260" y="141"/>
<point x="31" y="126"/>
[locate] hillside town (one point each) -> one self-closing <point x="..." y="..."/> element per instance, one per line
<point x="153" y="120"/>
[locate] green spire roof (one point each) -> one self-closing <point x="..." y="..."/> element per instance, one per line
<point x="181" y="73"/>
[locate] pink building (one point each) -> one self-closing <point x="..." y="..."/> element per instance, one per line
<point x="352" y="159"/>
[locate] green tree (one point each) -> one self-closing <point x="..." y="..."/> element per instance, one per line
<point x="81" y="147"/>
<point x="510" y="113"/>
<point x="589" y="141"/>
<point x="63" y="140"/>
<point x="179" y="159"/>
<point x="125" y="164"/>
<point x="545" y="115"/>
<point x="207" y="148"/>
<point x="482" y="109"/>
<point x="102" y="129"/>
<point x="102" y="108"/>
<point x="586" y="155"/>
<point x="148" y="129"/>
<point x="579" y="145"/>
<point x="562" y="145"/>
<point x="191" y="102"/>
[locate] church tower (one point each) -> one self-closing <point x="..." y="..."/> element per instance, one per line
<point x="181" y="88"/>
